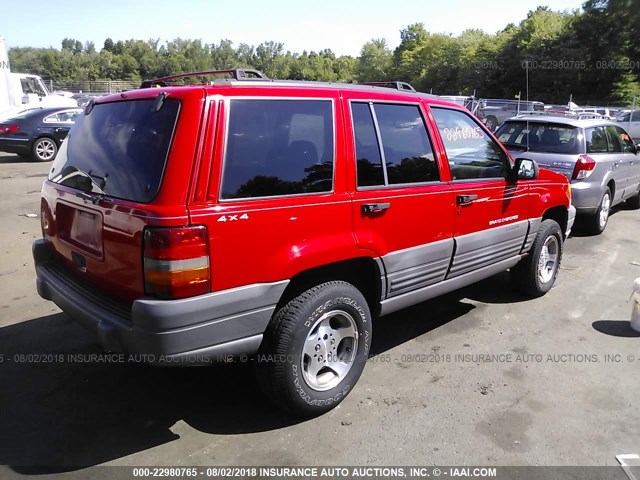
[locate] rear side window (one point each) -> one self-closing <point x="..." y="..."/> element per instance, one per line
<point x="119" y="149"/>
<point x="278" y="147"/>
<point x="596" y="139"/>
<point x="471" y="152"/>
<point x="406" y="155"/>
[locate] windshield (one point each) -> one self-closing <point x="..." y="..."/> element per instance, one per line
<point x="121" y="147"/>
<point x="541" y="137"/>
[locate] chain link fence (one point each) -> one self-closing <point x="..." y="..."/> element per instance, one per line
<point x="93" y="86"/>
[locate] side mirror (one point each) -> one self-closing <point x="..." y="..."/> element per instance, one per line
<point x="525" y="169"/>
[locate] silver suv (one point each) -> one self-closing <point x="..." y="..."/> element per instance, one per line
<point x="596" y="155"/>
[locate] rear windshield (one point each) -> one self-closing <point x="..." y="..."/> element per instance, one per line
<point x="119" y="149"/>
<point x="541" y="137"/>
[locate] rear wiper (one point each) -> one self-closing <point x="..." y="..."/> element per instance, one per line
<point x="76" y="178"/>
<point x="516" y="146"/>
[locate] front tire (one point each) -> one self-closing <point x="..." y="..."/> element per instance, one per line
<point x="535" y="274"/>
<point x="315" y="349"/>
<point x="44" y="149"/>
<point x="597" y="222"/>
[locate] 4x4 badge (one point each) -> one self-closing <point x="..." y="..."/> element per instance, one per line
<point x="233" y="218"/>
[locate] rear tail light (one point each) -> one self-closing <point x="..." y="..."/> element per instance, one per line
<point x="9" y="129"/>
<point x="584" y="167"/>
<point x="176" y="262"/>
<point x="46" y="221"/>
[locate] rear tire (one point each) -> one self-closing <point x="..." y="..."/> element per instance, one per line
<point x="315" y="349"/>
<point x="535" y="274"/>
<point x="44" y="149"/>
<point x="597" y="222"/>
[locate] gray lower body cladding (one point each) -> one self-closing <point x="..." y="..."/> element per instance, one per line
<point x="453" y="263"/>
<point x="203" y="328"/>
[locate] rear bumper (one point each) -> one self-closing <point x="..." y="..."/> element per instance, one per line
<point x="15" y="146"/>
<point x="196" y="330"/>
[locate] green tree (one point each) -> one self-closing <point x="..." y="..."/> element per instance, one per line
<point x="375" y="62"/>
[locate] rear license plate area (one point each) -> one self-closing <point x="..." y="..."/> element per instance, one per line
<point x="80" y="228"/>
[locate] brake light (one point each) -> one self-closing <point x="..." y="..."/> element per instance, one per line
<point x="584" y="167"/>
<point x="176" y="262"/>
<point x="9" y="129"/>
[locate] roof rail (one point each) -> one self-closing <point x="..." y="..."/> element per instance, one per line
<point x="580" y="116"/>
<point x="236" y="73"/>
<point x="542" y="113"/>
<point x="394" y="84"/>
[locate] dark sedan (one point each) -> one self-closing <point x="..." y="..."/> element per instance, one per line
<point x="37" y="133"/>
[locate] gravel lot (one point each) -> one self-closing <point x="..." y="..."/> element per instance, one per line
<point x="482" y="376"/>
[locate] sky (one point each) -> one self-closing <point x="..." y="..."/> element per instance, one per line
<point x="343" y="26"/>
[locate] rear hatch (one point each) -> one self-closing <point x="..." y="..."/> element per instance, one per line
<point x="553" y="146"/>
<point x="125" y="165"/>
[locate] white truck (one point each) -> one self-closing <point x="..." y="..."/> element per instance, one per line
<point x="21" y="91"/>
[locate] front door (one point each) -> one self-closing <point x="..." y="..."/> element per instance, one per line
<point x="492" y="212"/>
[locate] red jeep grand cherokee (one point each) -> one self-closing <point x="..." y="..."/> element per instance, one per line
<point x="251" y="215"/>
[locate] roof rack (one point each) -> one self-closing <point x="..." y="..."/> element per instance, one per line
<point x="541" y="113"/>
<point x="394" y="84"/>
<point x="586" y="116"/>
<point x="580" y="116"/>
<point x="236" y="73"/>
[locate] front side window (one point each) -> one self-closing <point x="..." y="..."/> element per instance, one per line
<point x="627" y="142"/>
<point x="31" y="85"/>
<point x="471" y="152"/>
<point x="278" y="147"/>
<point x="392" y="145"/>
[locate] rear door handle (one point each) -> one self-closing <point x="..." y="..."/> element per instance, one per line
<point x="375" y="207"/>
<point x="466" y="199"/>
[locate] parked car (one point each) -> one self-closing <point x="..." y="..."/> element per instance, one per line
<point x="597" y="155"/>
<point x="630" y="121"/>
<point x="365" y="200"/>
<point x="493" y="112"/>
<point x="37" y="133"/>
<point x="605" y="112"/>
<point x="466" y="101"/>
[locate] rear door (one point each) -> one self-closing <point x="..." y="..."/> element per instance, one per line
<point x="492" y="213"/>
<point x="402" y="209"/>
<point x="608" y="157"/>
<point x="621" y="160"/>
